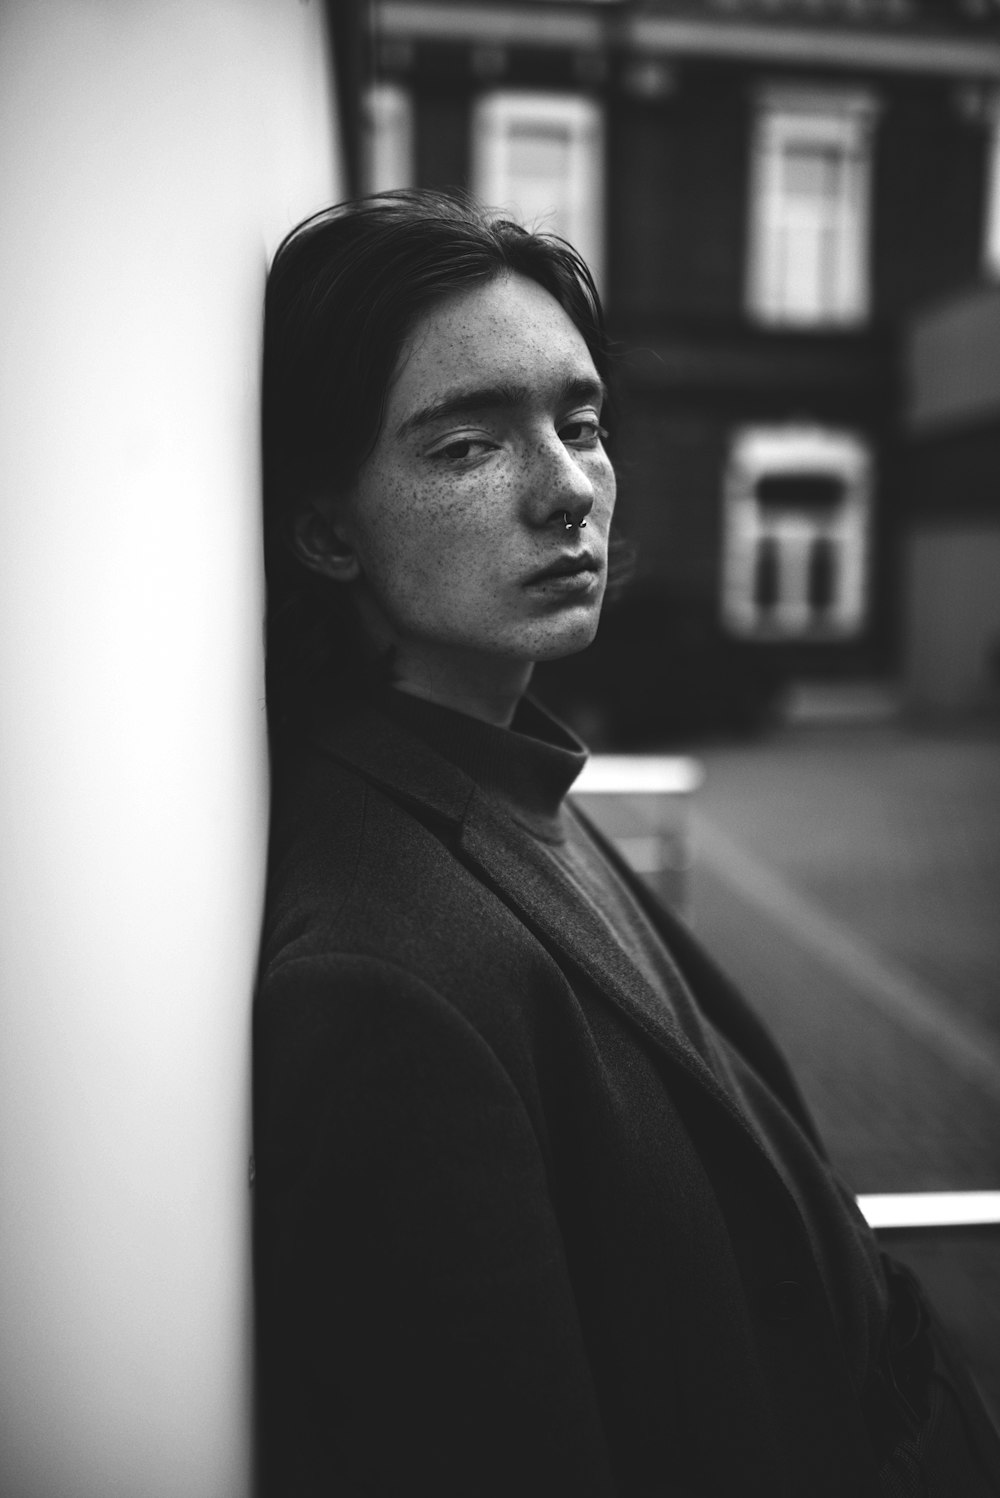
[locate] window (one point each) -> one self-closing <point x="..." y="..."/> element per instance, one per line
<point x="542" y="157"/>
<point x="810" y="184"/>
<point x="797" y="503"/>
<point x="388" y="138"/>
<point x="991" y="239"/>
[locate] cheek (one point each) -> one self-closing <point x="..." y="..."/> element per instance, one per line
<point x="419" y="557"/>
<point x="383" y="522"/>
<point x="432" y="525"/>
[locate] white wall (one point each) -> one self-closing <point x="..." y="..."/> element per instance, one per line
<point x="151" y="154"/>
<point x="952" y="361"/>
<point x="952" y="623"/>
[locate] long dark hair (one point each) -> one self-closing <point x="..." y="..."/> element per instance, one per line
<point x="344" y="293"/>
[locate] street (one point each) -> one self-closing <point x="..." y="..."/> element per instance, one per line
<point x="849" y="880"/>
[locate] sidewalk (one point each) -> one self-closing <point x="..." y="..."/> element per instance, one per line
<point x="894" y="833"/>
<point x="849" y="880"/>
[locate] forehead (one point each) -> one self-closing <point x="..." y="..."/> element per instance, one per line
<point x="508" y="330"/>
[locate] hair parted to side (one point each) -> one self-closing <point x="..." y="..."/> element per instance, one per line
<point x="345" y="290"/>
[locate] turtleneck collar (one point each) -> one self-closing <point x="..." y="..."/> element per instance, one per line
<point x="527" y="768"/>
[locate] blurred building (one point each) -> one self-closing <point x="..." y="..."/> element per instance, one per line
<point x="775" y="196"/>
<point x="950" y="477"/>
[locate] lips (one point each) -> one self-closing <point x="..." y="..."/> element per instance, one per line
<point x="568" y="566"/>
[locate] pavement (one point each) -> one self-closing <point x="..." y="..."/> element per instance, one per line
<point x="848" y="877"/>
<point x="845" y="870"/>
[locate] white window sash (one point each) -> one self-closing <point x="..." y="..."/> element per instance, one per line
<point x="571" y="203"/>
<point x="808" y="260"/>
<point x="991" y="226"/>
<point x="388" y="140"/>
<point x="770" y="451"/>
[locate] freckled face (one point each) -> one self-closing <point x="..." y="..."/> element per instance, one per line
<point x="491" y="433"/>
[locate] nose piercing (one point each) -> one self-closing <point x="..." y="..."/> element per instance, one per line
<point x="569" y="524"/>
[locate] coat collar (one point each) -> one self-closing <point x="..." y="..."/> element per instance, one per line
<point x="388" y="755"/>
<point x="502" y="854"/>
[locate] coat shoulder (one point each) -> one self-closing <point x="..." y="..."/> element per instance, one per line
<point x="355" y="874"/>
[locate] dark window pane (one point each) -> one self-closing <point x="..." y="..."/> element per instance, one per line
<point x="822" y="574"/>
<point x="799" y="491"/>
<point x="765" y="585"/>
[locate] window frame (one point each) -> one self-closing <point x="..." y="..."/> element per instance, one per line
<point x="841" y="121"/>
<point x="758" y="452"/>
<point x="991" y="214"/>
<point x="582" y="117"/>
<point x="388" y="147"/>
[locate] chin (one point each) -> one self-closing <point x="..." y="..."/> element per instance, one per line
<point x="569" y="640"/>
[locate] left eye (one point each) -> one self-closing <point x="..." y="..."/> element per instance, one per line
<point x="586" y="432"/>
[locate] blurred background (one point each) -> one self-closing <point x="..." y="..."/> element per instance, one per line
<point x="793" y="211"/>
<point x="792" y="208"/>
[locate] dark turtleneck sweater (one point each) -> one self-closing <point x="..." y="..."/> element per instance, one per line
<point x="526" y="772"/>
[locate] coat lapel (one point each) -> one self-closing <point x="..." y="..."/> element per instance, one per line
<point x="504" y="858"/>
<point x="502" y="855"/>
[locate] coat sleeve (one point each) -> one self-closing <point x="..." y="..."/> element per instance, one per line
<point x="417" y="1330"/>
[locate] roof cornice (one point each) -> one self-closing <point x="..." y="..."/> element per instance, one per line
<point x="865" y="50"/>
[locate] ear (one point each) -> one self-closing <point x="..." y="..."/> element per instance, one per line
<point x="321" y="542"/>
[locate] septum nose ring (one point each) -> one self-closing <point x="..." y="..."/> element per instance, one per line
<point x="570" y="525"/>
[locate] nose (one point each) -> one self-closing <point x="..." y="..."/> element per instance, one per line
<point x="560" y="487"/>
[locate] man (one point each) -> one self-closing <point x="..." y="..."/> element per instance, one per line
<point x="540" y="1210"/>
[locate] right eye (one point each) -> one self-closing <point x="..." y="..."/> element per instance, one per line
<point x="462" y="450"/>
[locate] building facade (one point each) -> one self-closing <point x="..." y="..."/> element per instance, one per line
<point x="949" y="536"/>
<point x="768" y="191"/>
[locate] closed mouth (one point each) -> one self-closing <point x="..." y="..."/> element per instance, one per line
<point x="567" y="566"/>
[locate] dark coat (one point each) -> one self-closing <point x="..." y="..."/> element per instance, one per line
<point x="513" y="1236"/>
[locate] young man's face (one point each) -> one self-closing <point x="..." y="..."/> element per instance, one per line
<point x="458" y="523"/>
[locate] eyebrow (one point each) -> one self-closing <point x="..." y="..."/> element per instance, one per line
<point x="505" y="395"/>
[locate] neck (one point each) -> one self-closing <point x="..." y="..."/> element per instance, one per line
<point x="493" y="701"/>
<point x="488" y="687"/>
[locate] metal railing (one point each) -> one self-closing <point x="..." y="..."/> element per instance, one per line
<point x="918" y="1210"/>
